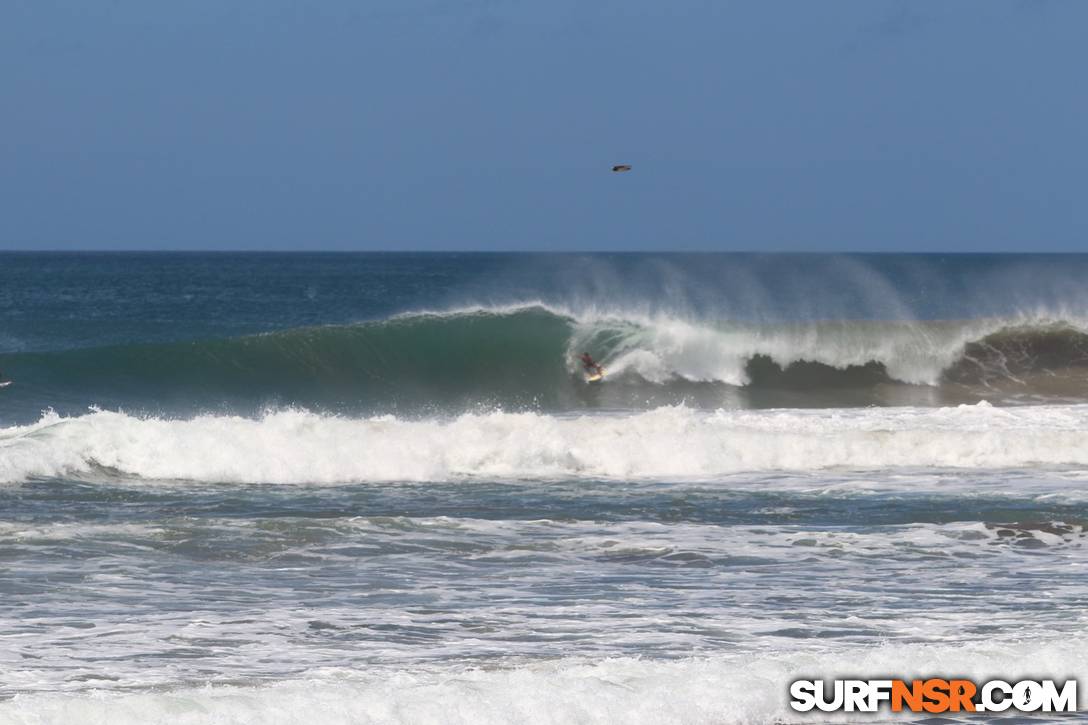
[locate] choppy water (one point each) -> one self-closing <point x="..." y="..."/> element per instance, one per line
<point x="374" y="488"/>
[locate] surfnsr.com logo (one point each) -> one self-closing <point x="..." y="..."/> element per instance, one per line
<point x="934" y="695"/>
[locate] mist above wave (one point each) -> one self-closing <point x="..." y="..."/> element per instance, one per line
<point x="525" y="358"/>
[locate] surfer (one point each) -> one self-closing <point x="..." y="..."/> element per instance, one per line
<point x="591" y="365"/>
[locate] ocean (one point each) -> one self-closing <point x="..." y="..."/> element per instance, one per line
<point x="376" y="488"/>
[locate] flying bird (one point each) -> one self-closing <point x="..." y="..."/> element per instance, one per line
<point x="621" y="167"/>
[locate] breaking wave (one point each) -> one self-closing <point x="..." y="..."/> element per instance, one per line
<point x="666" y="443"/>
<point x="524" y="357"/>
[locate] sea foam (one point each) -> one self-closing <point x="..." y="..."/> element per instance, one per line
<point x="719" y="689"/>
<point x="293" y="446"/>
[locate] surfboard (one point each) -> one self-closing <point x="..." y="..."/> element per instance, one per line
<point x="595" y="377"/>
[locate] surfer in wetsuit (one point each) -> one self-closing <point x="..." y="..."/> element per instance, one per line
<point x="590" y="364"/>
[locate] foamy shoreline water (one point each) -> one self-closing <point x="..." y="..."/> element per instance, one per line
<point x="296" y="499"/>
<point x="579" y="599"/>
<point x="711" y="690"/>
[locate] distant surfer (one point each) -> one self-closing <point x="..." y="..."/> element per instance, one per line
<point x="591" y="365"/>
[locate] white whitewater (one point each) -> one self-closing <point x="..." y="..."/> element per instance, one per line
<point x="667" y="443"/>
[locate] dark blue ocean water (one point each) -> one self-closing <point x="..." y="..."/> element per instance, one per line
<point x="182" y="333"/>
<point x="377" y="487"/>
<point x="51" y="301"/>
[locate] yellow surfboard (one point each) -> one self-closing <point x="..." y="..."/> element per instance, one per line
<point x="595" y="377"/>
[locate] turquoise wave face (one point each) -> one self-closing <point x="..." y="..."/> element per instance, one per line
<point x="525" y="358"/>
<point x="402" y="362"/>
<point x="182" y="536"/>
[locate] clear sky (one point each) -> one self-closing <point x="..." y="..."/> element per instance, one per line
<point x="882" y="125"/>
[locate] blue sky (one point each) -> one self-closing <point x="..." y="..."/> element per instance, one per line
<point x="875" y="125"/>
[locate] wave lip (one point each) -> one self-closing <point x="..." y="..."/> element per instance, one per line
<point x="667" y="443"/>
<point x="523" y="357"/>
